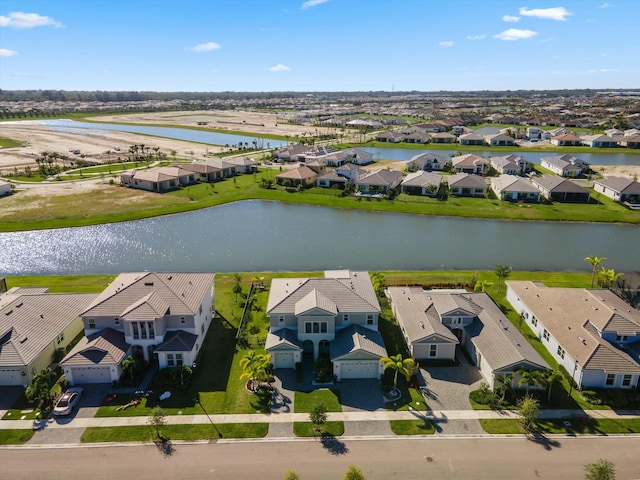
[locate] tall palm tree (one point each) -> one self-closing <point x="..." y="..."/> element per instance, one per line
<point x="506" y="384"/>
<point x="594" y="262"/>
<point x="502" y="272"/>
<point x="399" y="365"/>
<point x="254" y="365"/>
<point x="530" y="378"/>
<point x="552" y="376"/>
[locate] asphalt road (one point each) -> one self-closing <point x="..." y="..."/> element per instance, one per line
<point x="444" y="458"/>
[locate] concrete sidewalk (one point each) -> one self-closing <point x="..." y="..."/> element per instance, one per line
<point x="278" y="418"/>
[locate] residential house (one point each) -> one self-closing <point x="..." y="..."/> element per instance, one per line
<point x="290" y="153"/>
<point x="434" y="323"/>
<point x="443" y="137"/>
<point x="613" y="132"/>
<point x="593" y="334"/>
<point x="144" y="315"/>
<point x="630" y="141"/>
<point x="211" y="169"/>
<point x="556" y="132"/>
<point x="471" y="139"/>
<point x="335" y="316"/>
<point x="515" y="189"/>
<point x="534" y="133"/>
<point x="331" y="179"/>
<point x="158" y="179"/>
<point x="564" y="165"/>
<point x="458" y="130"/>
<point x="243" y="164"/>
<point x="566" y="140"/>
<point x="426" y="161"/>
<point x="559" y="189"/>
<point x="35" y="326"/>
<point x="5" y="188"/>
<point x="467" y="185"/>
<point x="297" y="176"/>
<point x="620" y="189"/>
<point x="509" y="164"/>
<point x="499" y="140"/>
<point x="389" y="136"/>
<point x="422" y="183"/>
<point x="359" y="156"/>
<point x="318" y="166"/>
<point x="349" y="170"/>
<point x="379" y="181"/>
<point x="416" y="137"/>
<point x="600" y="141"/>
<point x="469" y="163"/>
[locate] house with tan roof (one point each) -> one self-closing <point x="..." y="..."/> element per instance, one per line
<point x="158" y="179"/>
<point x="566" y="140"/>
<point x="35" y="326"/>
<point x="471" y="139"/>
<point x="592" y="333"/>
<point x="436" y="323"/>
<point x="469" y="163"/>
<point x="443" y="137"/>
<point x="515" y="189"/>
<point x="499" y="140"/>
<point x="378" y="181"/>
<point x="426" y="161"/>
<point x="509" y="164"/>
<point x="422" y="183"/>
<point x="211" y="169"/>
<point x="620" y="189"/>
<point x="297" y="176"/>
<point x="161" y="317"/>
<point x="334" y="317"/>
<point x="467" y="185"/>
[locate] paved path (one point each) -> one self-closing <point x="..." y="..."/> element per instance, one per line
<point x="438" y="416"/>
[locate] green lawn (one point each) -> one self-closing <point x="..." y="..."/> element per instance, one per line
<point x="411" y="399"/>
<point x="15" y="437"/>
<point x="307" y="429"/>
<point x="143" y="433"/>
<point x="304" y="402"/>
<point x="63" y="283"/>
<point x="412" y="427"/>
<point x="592" y="426"/>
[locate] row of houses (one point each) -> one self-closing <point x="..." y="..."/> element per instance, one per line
<point x="161" y="316"/>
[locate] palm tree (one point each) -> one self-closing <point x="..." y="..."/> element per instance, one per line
<point x="506" y="383"/>
<point x="607" y="276"/>
<point x="483" y="286"/>
<point x="254" y="365"/>
<point x="594" y="261"/>
<point x="502" y="272"/>
<point x="530" y="378"/>
<point x="551" y="377"/>
<point x="396" y="363"/>
<point x="129" y="367"/>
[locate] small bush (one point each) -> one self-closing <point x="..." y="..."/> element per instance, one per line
<point x="591" y="397"/>
<point x="484" y="395"/>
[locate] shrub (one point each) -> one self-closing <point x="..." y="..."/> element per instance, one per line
<point x="484" y="395"/>
<point x="591" y="397"/>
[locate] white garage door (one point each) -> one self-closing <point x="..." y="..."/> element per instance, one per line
<point x="283" y="360"/>
<point x="11" y="376"/>
<point x="91" y="375"/>
<point x="359" y="369"/>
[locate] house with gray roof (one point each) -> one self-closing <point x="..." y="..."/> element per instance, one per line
<point x="564" y="165"/>
<point x="592" y="333"/>
<point x="34" y="326"/>
<point x="434" y="323"/>
<point x="471" y="139"/>
<point x="145" y="315"/>
<point x="467" y="185"/>
<point x="630" y="141"/>
<point x="422" y="183"/>
<point x="243" y="164"/>
<point x="426" y="161"/>
<point x="600" y="141"/>
<point x="379" y="181"/>
<point x="499" y="140"/>
<point x="515" y="189"/>
<point x="560" y="189"/>
<point x="509" y="164"/>
<point x="334" y="316"/>
<point x="620" y="189"/>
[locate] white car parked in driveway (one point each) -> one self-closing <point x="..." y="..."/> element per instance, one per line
<point x="67" y="401"/>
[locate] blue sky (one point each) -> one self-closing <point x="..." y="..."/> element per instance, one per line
<point x="318" y="45"/>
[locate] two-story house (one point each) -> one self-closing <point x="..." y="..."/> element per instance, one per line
<point x="144" y="315"/>
<point x="334" y="316"/>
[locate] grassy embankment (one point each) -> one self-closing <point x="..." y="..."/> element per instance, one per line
<point x="116" y="204"/>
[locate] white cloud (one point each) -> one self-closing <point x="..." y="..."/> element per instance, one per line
<point x="7" y="53"/>
<point x="448" y="43"/>
<point x="205" y="47"/>
<point x="27" y="20"/>
<point x="606" y="5"/>
<point x="514" y="34"/>
<point x="279" y="68"/>
<point x="477" y="37"/>
<point x="555" y="13"/>
<point x="312" y="3"/>
<point x="511" y="18"/>
<point x="600" y="70"/>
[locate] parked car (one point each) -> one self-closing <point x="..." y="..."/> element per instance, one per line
<point x="67" y="401"/>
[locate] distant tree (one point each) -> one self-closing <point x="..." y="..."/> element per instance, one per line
<point x="594" y="262"/>
<point x="318" y="416"/>
<point x="482" y="286"/>
<point x="237" y="286"/>
<point x="502" y="272"/>
<point x="354" y="473"/>
<point x="600" y="470"/>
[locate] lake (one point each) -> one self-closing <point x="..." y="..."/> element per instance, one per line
<point x="271" y="236"/>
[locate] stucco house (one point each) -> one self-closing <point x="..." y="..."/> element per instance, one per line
<point x="443" y="137"/>
<point x="211" y="169"/>
<point x="469" y="163"/>
<point x="379" y="181"/>
<point x="34" y="325"/>
<point x="422" y="183"/>
<point x="560" y="189"/>
<point x="297" y="176"/>
<point x="630" y="141"/>
<point x="243" y="164"/>
<point x="600" y="141"/>
<point x="471" y="139"/>
<point x="158" y="179"/>
<point x="509" y="164"/>
<point x="620" y="189"/>
<point x="426" y="161"/>
<point x="144" y="315"/>
<point x="499" y="140"/>
<point x="334" y="316"/>
<point x="515" y="189"/>
<point x="593" y="334"/>
<point x="566" y="140"/>
<point x="434" y="323"/>
<point x="564" y="165"/>
<point x="467" y="185"/>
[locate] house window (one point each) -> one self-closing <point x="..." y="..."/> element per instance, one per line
<point x="136" y="332"/>
<point x="281" y="319"/>
<point x="92" y="323"/>
<point x="611" y="379"/>
<point x="60" y="338"/>
<point x="182" y="320"/>
<point x="316" y="327"/>
<point x="560" y="351"/>
<point x="116" y="321"/>
<point x="307" y="327"/>
<point x="143" y="330"/>
<point x="170" y="361"/>
<point x="626" y="380"/>
<point x="323" y="327"/>
<point x="545" y="334"/>
<point x="622" y="338"/>
<point x="178" y="359"/>
<point x="534" y="321"/>
<point x="200" y="310"/>
<point x="345" y="317"/>
<point x="152" y="332"/>
<point x="369" y="319"/>
<point x="433" y="350"/>
<point x="202" y="328"/>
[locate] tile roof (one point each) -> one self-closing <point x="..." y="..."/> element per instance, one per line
<point x="468" y="160"/>
<point x="285" y="337"/>
<point x="380" y="177"/>
<point x="177" y="341"/>
<point x="512" y="183"/>
<point x="620" y="184"/>
<point x="422" y="179"/>
<point x="556" y="184"/>
<point x="466" y="180"/>
<point x="356" y="338"/>
<point x="106" y="347"/>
